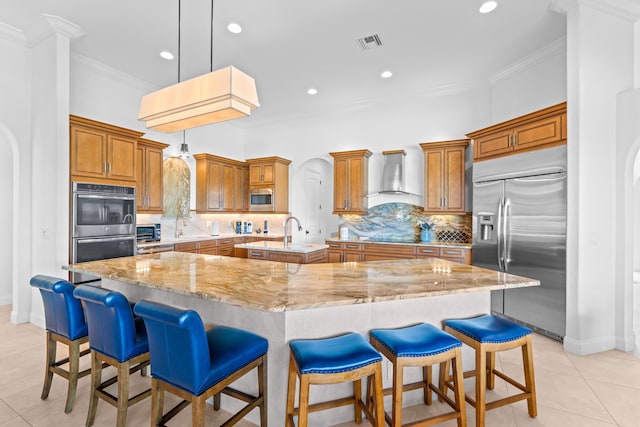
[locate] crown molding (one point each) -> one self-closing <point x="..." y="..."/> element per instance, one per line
<point x="629" y="10"/>
<point x="556" y="47"/>
<point x="89" y="64"/>
<point x="13" y="34"/>
<point x="46" y="25"/>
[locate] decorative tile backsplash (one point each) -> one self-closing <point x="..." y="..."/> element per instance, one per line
<point x="399" y="222"/>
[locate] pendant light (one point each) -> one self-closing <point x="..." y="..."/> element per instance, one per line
<point x="217" y="96"/>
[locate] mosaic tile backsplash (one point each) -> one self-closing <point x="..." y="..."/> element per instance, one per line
<point x="401" y="222"/>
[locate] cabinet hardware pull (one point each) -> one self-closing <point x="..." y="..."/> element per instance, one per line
<point x="515" y="139"/>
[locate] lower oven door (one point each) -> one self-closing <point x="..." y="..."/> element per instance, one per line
<point x="93" y="249"/>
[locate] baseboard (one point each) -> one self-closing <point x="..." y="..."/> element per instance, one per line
<point x="584" y="347"/>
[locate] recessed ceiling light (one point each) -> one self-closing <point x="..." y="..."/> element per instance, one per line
<point x="312" y="91"/>
<point x="166" y="55"/>
<point x="386" y="74"/>
<point x="488" y="6"/>
<point x="234" y="27"/>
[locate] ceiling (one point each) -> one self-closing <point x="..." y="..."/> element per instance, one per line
<point x="289" y="46"/>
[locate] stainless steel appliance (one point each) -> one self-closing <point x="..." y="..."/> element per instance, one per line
<point x="102" y="223"/>
<point x="261" y="199"/>
<point x="148" y="232"/>
<point x="519" y="227"/>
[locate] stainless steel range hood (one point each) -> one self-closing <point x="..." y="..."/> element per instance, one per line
<point x="393" y="181"/>
<point x="393" y="172"/>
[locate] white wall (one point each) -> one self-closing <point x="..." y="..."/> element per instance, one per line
<point x="15" y="120"/>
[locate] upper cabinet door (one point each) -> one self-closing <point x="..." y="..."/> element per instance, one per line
<point x="444" y="176"/>
<point x="88" y="152"/>
<point x="101" y="151"/>
<point x="350" y="181"/>
<point x="541" y="129"/>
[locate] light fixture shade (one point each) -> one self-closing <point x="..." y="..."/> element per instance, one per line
<point x="220" y="95"/>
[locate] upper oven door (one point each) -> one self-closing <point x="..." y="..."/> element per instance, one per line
<point x="103" y="215"/>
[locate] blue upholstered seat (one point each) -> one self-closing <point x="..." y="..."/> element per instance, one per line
<point x="187" y="356"/>
<point x="422" y="345"/>
<point x="332" y="355"/>
<point x="118" y="339"/>
<point x="488" y="328"/>
<point x="65" y="323"/>
<point x="62" y="311"/>
<point x="113" y="331"/>
<point x="415" y="341"/>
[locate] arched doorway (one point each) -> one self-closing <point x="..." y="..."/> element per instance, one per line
<point x="636" y="251"/>
<point x="8" y="217"/>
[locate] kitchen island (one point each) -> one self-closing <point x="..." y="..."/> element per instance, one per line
<point x="312" y="301"/>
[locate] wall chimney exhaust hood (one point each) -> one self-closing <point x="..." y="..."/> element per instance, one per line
<point x="393" y="182"/>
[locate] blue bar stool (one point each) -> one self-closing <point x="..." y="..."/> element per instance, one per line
<point x="334" y="360"/>
<point x="65" y="323"/>
<point x="196" y="364"/>
<point x="488" y="334"/>
<point x="422" y="345"/>
<point x="117" y="339"/>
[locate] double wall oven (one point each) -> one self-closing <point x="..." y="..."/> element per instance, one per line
<point x="102" y="223"/>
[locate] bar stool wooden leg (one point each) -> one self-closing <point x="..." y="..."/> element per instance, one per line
<point x="427" y="375"/>
<point x="123" y="394"/>
<point x="481" y="385"/>
<point x="96" y="379"/>
<point x="458" y="388"/>
<point x="198" y="407"/>
<point x="262" y="391"/>
<point x="157" y="403"/>
<point x="51" y="361"/>
<point x="74" y="371"/>
<point x="357" y="394"/>
<point x="396" y="394"/>
<point x="529" y="377"/>
<point x="303" y="401"/>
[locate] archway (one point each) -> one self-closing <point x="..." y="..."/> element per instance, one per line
<point x="9" y="186"/>
<point x="635" y="235"/>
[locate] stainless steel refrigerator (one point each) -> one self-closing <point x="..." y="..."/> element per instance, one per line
<point x="519" y="227"/>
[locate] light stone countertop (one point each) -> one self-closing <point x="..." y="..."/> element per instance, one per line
<point x="418" y="243"/>
<point x="276" y="286"/>
<point x="279" y="246"/>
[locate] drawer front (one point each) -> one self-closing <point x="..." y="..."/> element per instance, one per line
<point x="394" y="251"/>
<point x="256" y="254"/>
<point x="427" y="251"/>
<point x="186" y="247"/>
<point x="334" y="245"/>
<point x="207" y="244"/>
<point x="352" y="247"/>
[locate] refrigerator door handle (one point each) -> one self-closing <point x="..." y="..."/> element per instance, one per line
<point x="506" y="233"/>
<point x="500" y="254"/>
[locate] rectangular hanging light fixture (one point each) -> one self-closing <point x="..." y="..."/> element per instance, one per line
<point x="220" y="95"/>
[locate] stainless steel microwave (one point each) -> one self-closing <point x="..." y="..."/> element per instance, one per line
<point x="261" y="199"/>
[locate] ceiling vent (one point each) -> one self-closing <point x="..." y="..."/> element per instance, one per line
<point x="370" y="42"/>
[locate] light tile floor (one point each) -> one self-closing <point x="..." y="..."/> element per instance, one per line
<point x="586" y="391"/>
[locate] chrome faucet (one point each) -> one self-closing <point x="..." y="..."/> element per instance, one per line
<point x="285" y="225"/>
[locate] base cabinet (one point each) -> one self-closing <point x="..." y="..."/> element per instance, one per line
<point x="314" y="257"/>
<point x="355" y="252"/>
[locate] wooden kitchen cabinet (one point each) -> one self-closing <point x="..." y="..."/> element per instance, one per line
<point x="371" y="251"/>
<point x="273" y="173"/>
<point x="344" y="252"/>
<point x="315" y="257"/>
<point x="216" y="184"/>
<point x="444" y="176"/>
<point x="350" y="181"/>
<point x="102" y="152"/>
<point x="384" y="251"/>
<point x="541" y="129"/>
<point x="149" y="176"/>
